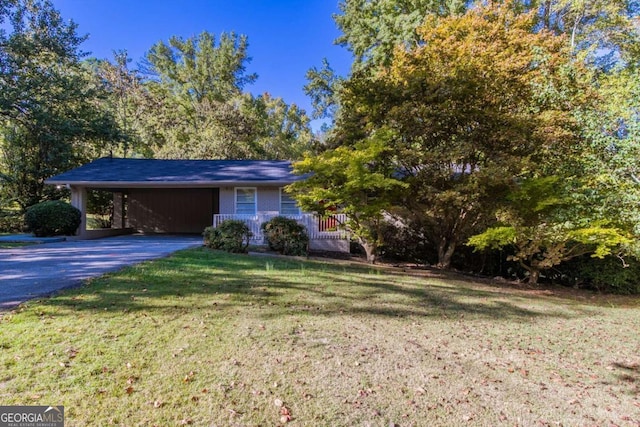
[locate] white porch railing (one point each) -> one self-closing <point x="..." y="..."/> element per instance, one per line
<point x="318" y="228"/>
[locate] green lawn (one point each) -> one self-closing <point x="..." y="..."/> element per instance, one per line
<point x="211" y="339"/>
<point x="9" y="245"/>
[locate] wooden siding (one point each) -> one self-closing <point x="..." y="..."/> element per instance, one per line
<point x="160" y="210"/>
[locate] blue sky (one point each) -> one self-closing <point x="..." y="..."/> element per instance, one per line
<point x="286" y="37"/>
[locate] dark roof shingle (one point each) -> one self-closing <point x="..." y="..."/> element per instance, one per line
<point x="109" y="170"/>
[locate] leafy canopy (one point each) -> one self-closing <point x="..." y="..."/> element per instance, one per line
<point x="358" y="181"/>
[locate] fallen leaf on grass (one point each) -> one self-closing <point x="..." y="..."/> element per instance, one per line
<point x="285" y="419"/>
<point x="189" y="376"/>
<point x="285" y="415"/>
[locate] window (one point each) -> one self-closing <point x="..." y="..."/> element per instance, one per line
<point x="246" y="201"/>
<point x="288" y="205"/>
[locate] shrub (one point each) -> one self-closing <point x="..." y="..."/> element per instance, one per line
<point x="52" y="218"/>
<point x="608" y="274"/>
<point x="286" y="236"/>
<point x="405" y="242"/>
<point x="231" y="235"/>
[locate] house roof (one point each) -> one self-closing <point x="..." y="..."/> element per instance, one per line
<point x="116" y="172"/>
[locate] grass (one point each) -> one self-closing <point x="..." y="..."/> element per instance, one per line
<point x="9" y="245"/>
<point x="206" y="338"/>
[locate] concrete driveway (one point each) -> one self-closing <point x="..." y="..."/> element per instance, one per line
<point x="32" y="271"/>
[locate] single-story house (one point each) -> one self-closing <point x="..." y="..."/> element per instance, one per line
<point x="185" y="196"/>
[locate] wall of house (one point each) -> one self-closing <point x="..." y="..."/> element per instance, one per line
<point x="268" y="199"/>
<point x="227" y="203"/>
<point x="161" y="210"/>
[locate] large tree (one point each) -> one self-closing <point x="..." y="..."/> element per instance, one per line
<point x="482" y="100"/>
<point x="204" y="111"/>
<point x="134" y="107"/>
<point x="48" y="100"/>
<point x="372" y="29"/>
<point x="281" y="130"/>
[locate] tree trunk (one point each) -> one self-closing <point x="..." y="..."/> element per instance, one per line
<point x="446" y="248"/>
<point x="534" y="276"/>
<point x="370" y="249"/>
<point x="534" y="273"/>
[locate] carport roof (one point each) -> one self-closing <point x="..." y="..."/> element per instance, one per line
<point x="108" y="171"/>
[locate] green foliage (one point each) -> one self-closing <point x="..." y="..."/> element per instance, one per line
<point x="49" y="120"/>
<point x="100" y="204"/>
<point x="608" y="162"/>
<point x="357" y="181"/>
<point x="52" y="218"/>
<point x="372" y="29"/>
<point x="493" y="238"/>
<point x="468" y="115"/>
<point x="546" y="230"/>
<point x="323" y="86"/>
<point x="130" y="102"/>
<point x="202" y="68"/>
<point x="11" y="222"/>
<point x="286" y="236"/>
<point x="611" y="274"/>
<point x="280" y="130"/>
<point x="599" y="31"/>
<point x="196" y="108"/>
<point x="231" y="236"/>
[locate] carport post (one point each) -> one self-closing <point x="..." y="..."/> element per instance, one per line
<point x="79" y="200"/>
<point x="118" y="210"/>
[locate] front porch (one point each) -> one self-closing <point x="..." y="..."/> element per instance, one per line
<point x="325" y="233"/>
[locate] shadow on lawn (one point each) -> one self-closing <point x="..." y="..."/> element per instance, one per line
<point x="208" y="280"/>
<point x="629" y="374"/>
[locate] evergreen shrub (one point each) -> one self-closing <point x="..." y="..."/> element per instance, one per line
<point x="231" y="235"/>
<point x="52" y="218"/>
<point x="286" y="236"/>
